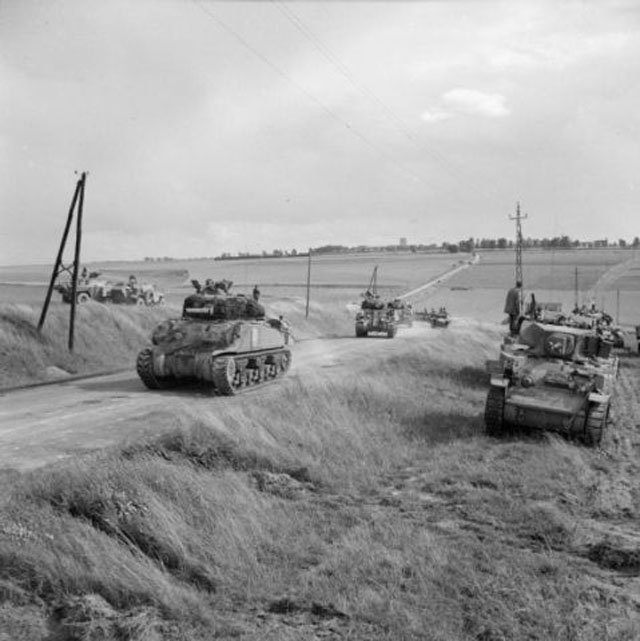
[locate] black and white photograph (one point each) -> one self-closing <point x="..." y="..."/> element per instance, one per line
<point x="319" y="320"/>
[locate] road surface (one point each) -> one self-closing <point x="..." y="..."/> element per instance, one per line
<point x="43" y="424"/>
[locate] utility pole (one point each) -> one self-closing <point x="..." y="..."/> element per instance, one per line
<point x="306" y="313"/>
<point x="72" y="269"/>
<point x="519" y="218"/>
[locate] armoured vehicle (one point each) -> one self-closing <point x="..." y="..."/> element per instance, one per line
<point x="223" y="341"/>
<point x="439" y="318"/>
<point x="101" y="290"/>
<point x="131" y="294"/>
<point x="403" y="312"/>
<point x="381" y="320"/>
<point x="552" y="377"/>
<point x="89" y="288"/>
<point x="374" y="314"/>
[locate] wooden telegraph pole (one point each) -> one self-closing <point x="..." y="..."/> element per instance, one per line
<point x="519" y="218"/>
<point x="306" y="313"/>
<point x="72" y="269"/>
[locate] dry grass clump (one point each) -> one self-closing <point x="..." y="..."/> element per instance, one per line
<point x="106" y="337"/>
<point x="371" y="509"/>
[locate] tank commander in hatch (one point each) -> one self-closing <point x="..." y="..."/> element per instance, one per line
<point x="512" y="307"/>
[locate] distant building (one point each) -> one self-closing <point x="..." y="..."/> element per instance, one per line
<point x="403" y="242"/>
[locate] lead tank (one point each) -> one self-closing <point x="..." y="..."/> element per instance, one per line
<point x="553" y="377"/>
<point x="222" y="341"/>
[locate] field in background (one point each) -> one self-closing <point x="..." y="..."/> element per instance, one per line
<point x="340" y="279"/>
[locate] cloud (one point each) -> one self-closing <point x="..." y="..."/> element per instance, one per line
<point x="436" y="115"/>
<point x="467" y="102"/>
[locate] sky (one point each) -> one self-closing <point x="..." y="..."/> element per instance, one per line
<point x="209" y="127"/>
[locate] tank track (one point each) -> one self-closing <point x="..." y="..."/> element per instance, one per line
<point x="235" y="374"/>
<point x="494" y="412"/>
<point x="144" y="367"/>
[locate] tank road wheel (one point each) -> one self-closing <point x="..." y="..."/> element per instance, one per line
<point x="224" y="372"/>
<point x="392" y="331"/>
<point x="82" y="297"/>
<point x="596" y="423"/>
<point x="494" y="411"/>
<point x="140" y="301"/>
<point x="144" y="367"/>
<point x="360" y="330"/>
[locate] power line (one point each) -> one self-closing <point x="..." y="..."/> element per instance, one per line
<point x="277" y="70"/>
<point x="360" y="87"/>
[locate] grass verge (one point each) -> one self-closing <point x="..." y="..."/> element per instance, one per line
<point x="370" y="508"/>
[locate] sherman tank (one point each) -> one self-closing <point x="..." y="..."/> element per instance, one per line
<point x="376" y="317"/>
<point x="222" y="341"/>
<point x="552" y="377"/>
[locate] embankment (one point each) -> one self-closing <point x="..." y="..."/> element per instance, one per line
<point x="368" y="507"/>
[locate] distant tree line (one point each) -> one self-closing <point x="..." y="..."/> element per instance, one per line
<point x="468" y="245"/>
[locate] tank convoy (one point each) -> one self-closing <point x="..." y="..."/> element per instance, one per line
<point x="221" y="340"/>
<point x="552" y="377"/>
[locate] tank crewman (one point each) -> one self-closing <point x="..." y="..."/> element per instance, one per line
<point x="209" y="287"/>
<point x="256" y="293"/>
<point x="133" y="282"/>
<point x="512" y="306"/>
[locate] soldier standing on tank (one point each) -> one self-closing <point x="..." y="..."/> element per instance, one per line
<point x="256" y="293"/>
<point x="512" y="307"/>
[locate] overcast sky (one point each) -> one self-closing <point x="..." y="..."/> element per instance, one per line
<point x="230" y="126"/>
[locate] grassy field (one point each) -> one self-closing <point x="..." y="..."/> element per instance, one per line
<point x="365" y="508"/>
<point x="542" y="269"/>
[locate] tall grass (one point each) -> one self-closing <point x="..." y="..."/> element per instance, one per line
<point x="365" y="508"/>
<point x="105" y="337"/>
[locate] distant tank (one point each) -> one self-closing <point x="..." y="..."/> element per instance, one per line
<point x="222" y="341"/>
<point x="376" y="317"/>
<point x="552" y="377"/>
<point x="439" y="318"/>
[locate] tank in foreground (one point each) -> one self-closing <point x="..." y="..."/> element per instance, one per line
<point x="554" y="378"/>
<point x="222" y="341"/>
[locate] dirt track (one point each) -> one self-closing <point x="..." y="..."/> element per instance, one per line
<point x="43" y="424"/>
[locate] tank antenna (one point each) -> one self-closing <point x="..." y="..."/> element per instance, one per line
<point x="72" y="269"/>
<point x="519" y="218"/>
